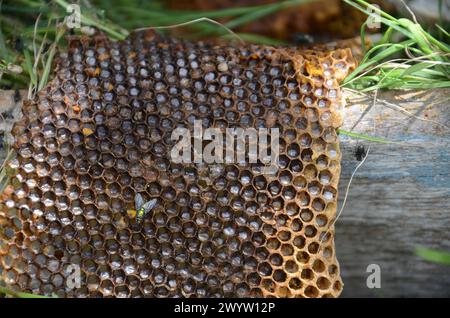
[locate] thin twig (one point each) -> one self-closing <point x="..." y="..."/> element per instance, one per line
<point x="410" y="11"/>
<point x="348" y="185"/>
<point x="203" y="19"/>
<point x="399" y="108"/>
<point x="345" y="197"/>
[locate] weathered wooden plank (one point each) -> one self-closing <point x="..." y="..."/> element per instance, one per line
<point x="400" y="197"/>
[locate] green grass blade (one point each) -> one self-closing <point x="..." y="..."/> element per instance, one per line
<point x="29" y="67"/>
<point x="365" y="137"/>
<point x="387" y="36"/>
<point x="252" y="16"/>
<point x="368" y="61"/>
<point x="363" y="38"/>
<point x="184" y="16"/>
<point x="427" y="58"/>
<point x="384" y="17"/>
<point x="375" y="9"/>
<point x="262" y="11"/>
<point x="433" y="255"/>
<point x="4" y="53"/>
<point x="416" y="68"/>
<point x="120" y="35"/>
<point x="442" y="30"/>
<point x="15" y="294"/>
<point x="49" y="61"/>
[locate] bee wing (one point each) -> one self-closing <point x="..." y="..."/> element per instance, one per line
<point x="138" y="201"/>
<point x="149" y="205"/>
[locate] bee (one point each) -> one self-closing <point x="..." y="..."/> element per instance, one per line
<point x="17" y="97"/>
<point x="141" y="208"/>
<point x="360" y="152"/>
<point x="18" y="44"/>
<point x="302" y="39"/>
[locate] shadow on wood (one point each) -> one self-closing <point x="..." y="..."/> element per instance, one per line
<point x="400" y="198"/>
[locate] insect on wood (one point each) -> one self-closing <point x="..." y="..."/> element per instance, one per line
<point x="360" y="152"/>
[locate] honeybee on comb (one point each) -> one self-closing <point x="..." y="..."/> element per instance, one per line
<point x="142" y="208"/>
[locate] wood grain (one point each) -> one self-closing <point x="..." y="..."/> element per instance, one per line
<point x="399" y="199"/>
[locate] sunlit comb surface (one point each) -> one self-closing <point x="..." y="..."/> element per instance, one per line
<point x="101" y="132"/>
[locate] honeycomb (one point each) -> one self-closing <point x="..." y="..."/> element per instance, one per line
<point x="100" y="133"/>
